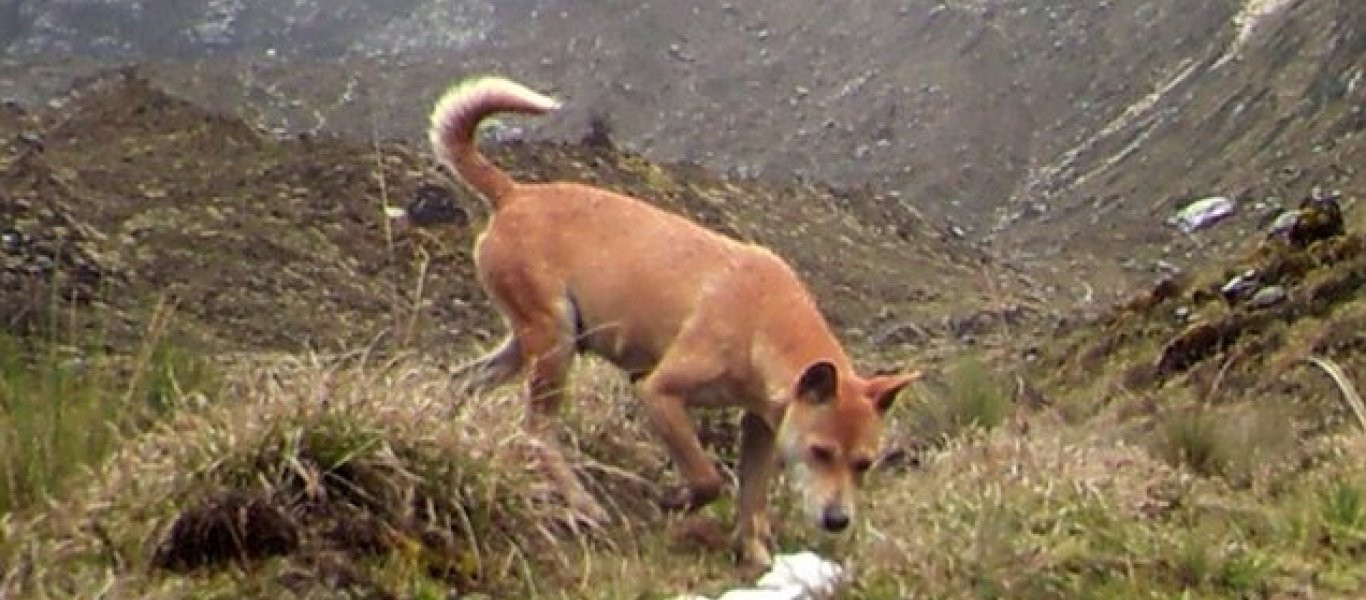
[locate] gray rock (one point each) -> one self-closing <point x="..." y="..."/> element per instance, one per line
<point x="1240" y="286"/>
<point x="1267" y="297"/>
<point x="11" y="241"/>
<point x="1202" y="213"/>
<point x="1182" y="314"/>
<point x="900" y="333"/>
<point x="1283" y="223"/>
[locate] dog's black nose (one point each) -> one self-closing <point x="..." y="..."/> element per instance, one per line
<point x="834" y="520"/>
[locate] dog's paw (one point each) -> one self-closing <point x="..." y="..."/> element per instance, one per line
<point x="676" y="498"/>
<point x="752" y="560"/>
<point x="684" y="498"/>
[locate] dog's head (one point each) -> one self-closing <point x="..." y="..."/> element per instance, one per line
<point x="830" y="436"/>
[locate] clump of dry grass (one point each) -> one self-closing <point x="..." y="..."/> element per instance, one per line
<point x="1064" y="512"/>
<point x="997" y="514"/>
<point x="382" y="478"/>
<point x="1244" y="443"/>
<point x="307" y="477"/>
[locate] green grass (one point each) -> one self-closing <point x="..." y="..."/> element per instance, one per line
<point x="971" y="396"/>
<point x="63" y="410"/>
<point x="434" y="490"/>
<point x="1197" y="439"/>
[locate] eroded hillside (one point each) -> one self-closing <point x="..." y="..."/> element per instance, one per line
<point x="126" y="194"/>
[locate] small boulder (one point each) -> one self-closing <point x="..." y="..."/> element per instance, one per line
<point x="1283" y="223"/>
<point x="899" y="334"/>
<point x="1240" y="286"/>
<point x="1202" y="213"/>
<point x="1267" y="297"/>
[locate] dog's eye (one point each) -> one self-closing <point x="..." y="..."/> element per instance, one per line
<point x="822" y="454"/>
<point x="862" y="465"/>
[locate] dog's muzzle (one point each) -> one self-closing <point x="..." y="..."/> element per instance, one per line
<point x="834" y="519"/>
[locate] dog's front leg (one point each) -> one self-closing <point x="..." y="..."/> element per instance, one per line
<point x="668" y="416"/>
<point x="758" y="455"/>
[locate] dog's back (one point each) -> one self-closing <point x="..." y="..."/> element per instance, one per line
<point x="635" y="276"/>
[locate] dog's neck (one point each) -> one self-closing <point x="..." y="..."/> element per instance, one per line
<point x="781" y="362"/>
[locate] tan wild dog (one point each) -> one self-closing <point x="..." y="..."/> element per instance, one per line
<point x="695" y="318"/>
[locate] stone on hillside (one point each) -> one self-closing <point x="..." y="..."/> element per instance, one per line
<point x="1267" y="297"/>
<point x="11" y="241"/>
<point x="1182" y="314"/>
<point x="1283" y="223"/>
<point x="1202" y="213"/>
<point x="1240" y="286"/>
<point x="899" y="334"/>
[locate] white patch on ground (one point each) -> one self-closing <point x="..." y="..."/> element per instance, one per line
<point x="801" y="576"/>
<point x="1142" y="116"/>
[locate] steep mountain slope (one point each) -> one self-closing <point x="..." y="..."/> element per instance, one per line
<point x="1262" y="117"/>
<point x="947" y="103"/>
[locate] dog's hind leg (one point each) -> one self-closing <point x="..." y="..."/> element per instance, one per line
<point x="494" y="369"/>
<point x="542" y="321"/>
<point x="546" y="341"/>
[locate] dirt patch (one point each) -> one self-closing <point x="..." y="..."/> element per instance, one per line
<point x="142" y="194"/>
<point x="233" y="526"/>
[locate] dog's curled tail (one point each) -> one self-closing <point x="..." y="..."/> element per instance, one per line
<point x="456" y="117"/>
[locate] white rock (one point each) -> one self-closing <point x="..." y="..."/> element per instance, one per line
<point x="1203" y="213"/>
<point x="801" y="576"/>
<point x="805" y="569"/>
<point x="787" y="593"/>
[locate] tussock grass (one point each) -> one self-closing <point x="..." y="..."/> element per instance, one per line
<point x="1244" y="443"/>
<point x="379" y="478"/>
<point x="1063" y="513"/>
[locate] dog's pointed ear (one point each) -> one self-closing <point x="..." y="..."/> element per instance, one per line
<point x="883" y="389"/>
<point x="818" y="383"/>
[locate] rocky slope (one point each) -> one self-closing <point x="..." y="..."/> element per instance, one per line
<point x="1271" y="109"/>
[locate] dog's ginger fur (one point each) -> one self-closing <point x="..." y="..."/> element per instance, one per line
<point x="695" y="318"/>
